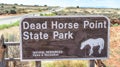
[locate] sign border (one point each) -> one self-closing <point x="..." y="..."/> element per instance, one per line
<point x="103" y="58"/>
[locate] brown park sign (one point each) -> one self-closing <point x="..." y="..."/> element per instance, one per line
<point x="78" y="37"/>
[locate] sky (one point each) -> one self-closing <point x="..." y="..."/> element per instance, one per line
<point x="70" y="3"/>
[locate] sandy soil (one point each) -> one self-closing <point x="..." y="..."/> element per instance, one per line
<point x="114" y="56"/>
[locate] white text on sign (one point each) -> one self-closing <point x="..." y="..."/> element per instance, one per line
<point x="95" y="24"/>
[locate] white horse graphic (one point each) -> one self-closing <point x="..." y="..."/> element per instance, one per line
<point x="93" y="42"/>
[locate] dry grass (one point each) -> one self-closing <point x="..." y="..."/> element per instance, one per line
<point x="11" y="31"/>
<point x="65" y="63"/>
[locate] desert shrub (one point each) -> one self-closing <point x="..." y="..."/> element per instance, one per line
<point x="41" y="14"/>
<point x="50" y="14"/>
<point x="116" y="24"/>
<point x="12" y="11"/>
<point x="6" y="11"/>
<point x="14" y="7"/>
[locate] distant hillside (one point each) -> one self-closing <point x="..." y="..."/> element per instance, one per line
<point x="112" y="13"/>
<point x="17" y="9"/>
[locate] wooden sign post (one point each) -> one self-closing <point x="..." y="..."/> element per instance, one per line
<point x="78" y="37"/>
<point x="2" y="51"/>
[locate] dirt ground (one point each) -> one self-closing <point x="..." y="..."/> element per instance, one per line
<point x="114" y="54"/>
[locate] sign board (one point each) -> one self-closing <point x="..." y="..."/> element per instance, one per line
<point x="78" y="37"/>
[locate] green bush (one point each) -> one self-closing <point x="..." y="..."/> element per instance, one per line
<point x="4" y="26"/>
<point x="13" y="11"/>
<point x="50" y="14"/>
<point x="116" y="24"/>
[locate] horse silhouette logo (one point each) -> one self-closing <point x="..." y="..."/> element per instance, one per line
<point x="92" y="43"/>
